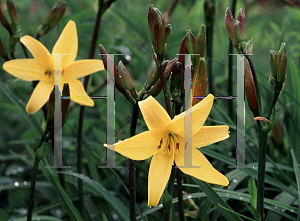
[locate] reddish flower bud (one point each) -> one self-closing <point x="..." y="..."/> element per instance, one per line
<point x="250" y="89"/>
<point x="3" y="52"/>
<point x="157" y="31"/>
<point x="230" y="25"/>
<point x="12" y="12"/>
<point x="3" y="19"/>
<point x="59" y="15"/>
<point x="281" y="67"/>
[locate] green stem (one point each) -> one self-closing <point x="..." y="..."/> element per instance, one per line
<point x="33" y="182"/>
<point x="180" y="197"/>
<point x="230" y="64"/>
<point x="261" y="169"/>
<point x="132" y="182"/>
<point x="209" y="48"/>
<point x="81" y="114"/>
<point x="170" y="190"/>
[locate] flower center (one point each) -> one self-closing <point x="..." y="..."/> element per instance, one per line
<point x="169" y="144"/>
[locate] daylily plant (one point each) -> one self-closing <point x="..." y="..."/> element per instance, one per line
<point x="41" y="68"/>
<point x="165" y="140"/>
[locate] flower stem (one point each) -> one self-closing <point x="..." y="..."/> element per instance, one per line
<point x="165" y="90"/>
<point x="33" y="182"/>
<point x="81" y="114"/>
<point x="263" y="136"/>
<point x="132" y="184"/>
<point x="170" y="190"/>
<point x="261" y="169"/>
<point x="179" y="194"/>
<point x="230" y="63"/>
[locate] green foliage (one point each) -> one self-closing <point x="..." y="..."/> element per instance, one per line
<point x="124" y="30"/>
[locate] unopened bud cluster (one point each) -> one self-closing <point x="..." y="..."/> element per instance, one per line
<point x="278" y="64"/>
<point x="237" y="31"/>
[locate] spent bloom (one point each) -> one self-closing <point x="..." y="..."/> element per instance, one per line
<point x="41" y="68"/>
<point x="165" y="141"/>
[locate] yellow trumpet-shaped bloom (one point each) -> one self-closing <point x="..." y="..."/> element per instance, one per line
<point x="41" y="68"/>
<point x="165" y="140"/>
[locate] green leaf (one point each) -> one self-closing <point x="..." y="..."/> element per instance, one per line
<point x="217" y="201"/>
<point x="296" y="169"/>
<point x="104" y="217"/>
<point x="231" y="211"/>
<point x="253" y="192"/>
<point x="110" y="198"/>
<point x="3" y="215"/>
<point x="44" y="218"/>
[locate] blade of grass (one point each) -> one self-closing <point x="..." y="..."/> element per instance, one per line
<point x="296" y="169"/>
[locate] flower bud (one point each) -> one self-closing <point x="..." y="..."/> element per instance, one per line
<point x="182" y="50"/>
<point x="239" y="31"/>
<point x="242" y="19"/>
<point x="190" y="42"/>
<point x="201" y="41"/>
<point x="12" y="13"/>
<point x="168" y="31"/>
<point x="175" y="82"/>
<point x="155" y="75"/>
<point x="273" y="63"/>
<point x="249" y="46"/>
<point x="3" y="19"/>
<point x="40" y="153"/>
<point x="118" y="82"/>
<point x="230" y="25"/>
<point x="156" y="89"/>
<point x="60" y="13"/>
<point x="199" y="82"/>
<point x="126" y="79"/>
<point x="157" y="31"/>
<point x="51" y="15"/>
<point x="250" y="89"/>
<point x="3" y="52"/>
<point x="281" y="67"/>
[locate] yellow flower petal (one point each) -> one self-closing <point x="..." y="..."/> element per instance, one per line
<point x="25" y="69"/>
<point x="77" y="90"/>
<point x="154" y="114"/>
<point x="209" y="134"/>
<point x="81" y="68"/>
<point x="67" y="43"/>
<point x="159" y="174"/>
<point x="206" y="172"/>
<point x="199" y="114"/>
<point x="139" y="147"/>
<point x="38" y="51"/>
<point x="39" y="96"/>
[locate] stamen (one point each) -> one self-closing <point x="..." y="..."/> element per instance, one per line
<point x="159" y="146"/>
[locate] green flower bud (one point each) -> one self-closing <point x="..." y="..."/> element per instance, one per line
<point x="199" y="82"/>
<point x="40" y="153"/>
<point x="273" y="63"/>
<point x="118" y="82"/>
<point x="190" y="42"/>
<point x="249" y="46"/>
<point x="168" y="31"/>
<point x="239" y="31"/>
<point x="126" y="79"/>
<point x="154" y="77"/>
<point x="201" y="41"/>
<point x="281" y="67"/>
<point x="51" y="15"/>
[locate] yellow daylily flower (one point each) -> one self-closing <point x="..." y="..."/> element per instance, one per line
<point x="41" y="68"/>
<point x="165" y="140"/>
